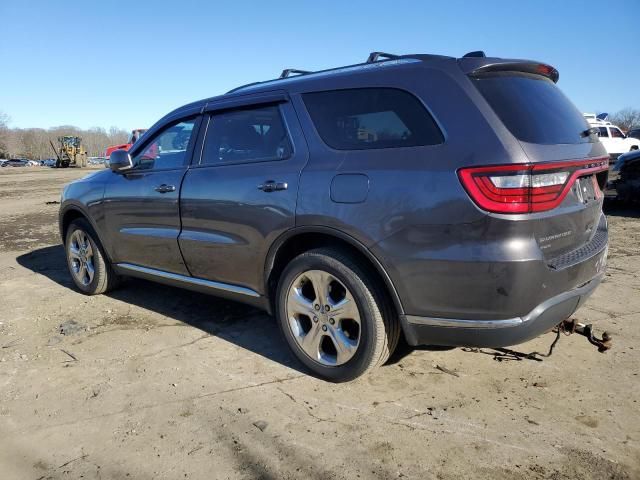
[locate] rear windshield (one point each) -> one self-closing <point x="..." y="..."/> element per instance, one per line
<point x="533" y="108"/>
<point x="367" y="118"/>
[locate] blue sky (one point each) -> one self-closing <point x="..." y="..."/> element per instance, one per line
<point x="128" y="63"/>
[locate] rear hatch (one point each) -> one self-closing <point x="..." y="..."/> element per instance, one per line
<point x="558" y="193"/>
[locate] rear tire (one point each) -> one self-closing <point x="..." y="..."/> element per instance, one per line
<point x="90" y="270"/>
<point x="359" y="330"/>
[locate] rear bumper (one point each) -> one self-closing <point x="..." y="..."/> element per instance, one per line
<point x="497" y="333"/>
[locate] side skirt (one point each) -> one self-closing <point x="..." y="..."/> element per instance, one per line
<point x="210" y="287"/>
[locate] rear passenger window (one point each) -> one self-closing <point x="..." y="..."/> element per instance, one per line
<point x="602" y="132"/>
<point x="368" y="118"/>
<point x="248" y="135"/>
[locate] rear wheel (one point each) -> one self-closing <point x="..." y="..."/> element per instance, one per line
<point x="334" y="316"/>
<point x="91" y="272"/>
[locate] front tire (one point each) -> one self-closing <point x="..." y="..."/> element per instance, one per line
<point x="91" y="272"/>
<point x="334" y="316"/>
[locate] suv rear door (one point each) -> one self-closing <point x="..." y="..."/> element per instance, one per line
<point x="240" y="193"/>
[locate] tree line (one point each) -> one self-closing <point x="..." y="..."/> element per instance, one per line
<point x="33" y="143"/>
<point x="626" y="118"/>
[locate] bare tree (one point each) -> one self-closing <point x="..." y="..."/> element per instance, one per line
<point x="117" y="136"/>
<point x="626" y="119"/>
<point x="4" y="135"/>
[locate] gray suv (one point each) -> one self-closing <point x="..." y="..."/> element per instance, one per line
<point x="455" y="201"/>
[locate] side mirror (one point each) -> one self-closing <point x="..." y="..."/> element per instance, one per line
<point x="120" y="161"/>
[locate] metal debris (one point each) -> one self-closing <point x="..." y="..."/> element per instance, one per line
<point x="261" y="425"/>
<point x="70" y="354"/>
<point x="446" y="370"/>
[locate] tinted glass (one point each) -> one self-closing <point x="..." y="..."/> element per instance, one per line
<point x="635" y="133"/>
<point x="603" y="132"/>
<point x="168" y="148"/>
<point x="615" y="133"/>
<point x="371" y="118"/>
<point x="248" y="135"/>
<point x="533" y="108"/>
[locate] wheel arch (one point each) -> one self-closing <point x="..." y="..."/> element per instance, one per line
<point x="73" y="212"/>
<point x="301" y="239"/>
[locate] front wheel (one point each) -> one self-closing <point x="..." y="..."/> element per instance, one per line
<point x="334" y="316"/>
<point x="91" y="272"/>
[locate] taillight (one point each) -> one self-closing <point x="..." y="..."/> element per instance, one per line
<point x="526" y="187"/>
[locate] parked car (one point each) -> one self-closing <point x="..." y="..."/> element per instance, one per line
<point x="15" y="162"/>
<point x="49" y="162"/>
<point x="407" y="195"/>
<point x="624" y="177"/>
<point x="96" y="161"/>
<point x="634" y="133"/>
<point x="612" y="137"/>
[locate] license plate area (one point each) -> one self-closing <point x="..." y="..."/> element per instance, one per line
<point x="585" y="189"/>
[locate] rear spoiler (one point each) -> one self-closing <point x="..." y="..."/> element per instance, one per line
<point x="478" y="66"/>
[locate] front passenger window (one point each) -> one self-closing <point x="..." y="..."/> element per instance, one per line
<point x="167" y="149"/>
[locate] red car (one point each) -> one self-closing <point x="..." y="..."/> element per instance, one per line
<point x="134" y="136"/>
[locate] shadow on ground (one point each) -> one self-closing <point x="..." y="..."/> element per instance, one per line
<point x="234" y="322"/>
<point x="239" y="324"/>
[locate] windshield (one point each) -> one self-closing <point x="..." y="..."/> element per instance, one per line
<point x="533" y="108"/>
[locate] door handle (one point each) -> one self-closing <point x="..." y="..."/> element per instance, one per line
<point x="164" y="188"/>
<point x="271" y="186"/>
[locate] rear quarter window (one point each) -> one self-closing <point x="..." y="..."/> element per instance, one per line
<point x="369" y="118"/>
<point x="533" y="108"/>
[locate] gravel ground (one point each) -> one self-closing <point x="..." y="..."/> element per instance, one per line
<point x="155" y="382"/>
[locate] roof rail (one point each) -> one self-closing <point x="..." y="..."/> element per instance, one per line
<point x="288" y="71"/>
<point x="375" y="56"/>
<point x="242" y="86"/>
<point x="475" y="54"/>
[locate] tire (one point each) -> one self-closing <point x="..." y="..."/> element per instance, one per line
<point x="333" y="343"/>
<point x="82" y="248"/>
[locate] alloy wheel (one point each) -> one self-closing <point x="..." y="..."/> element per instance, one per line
<point x="80" y="254"/>
<point x="323" y="317"/>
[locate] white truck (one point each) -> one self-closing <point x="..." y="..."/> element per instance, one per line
<point x="614" y="141"/>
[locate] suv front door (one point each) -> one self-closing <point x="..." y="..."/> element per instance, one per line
<point x="240" y="195"/>
<point x="142" y="210"/>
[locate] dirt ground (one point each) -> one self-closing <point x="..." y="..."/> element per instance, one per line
<point x="155" y="382"/>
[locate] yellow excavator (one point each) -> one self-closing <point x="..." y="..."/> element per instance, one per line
<point x="70" y="153"/>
